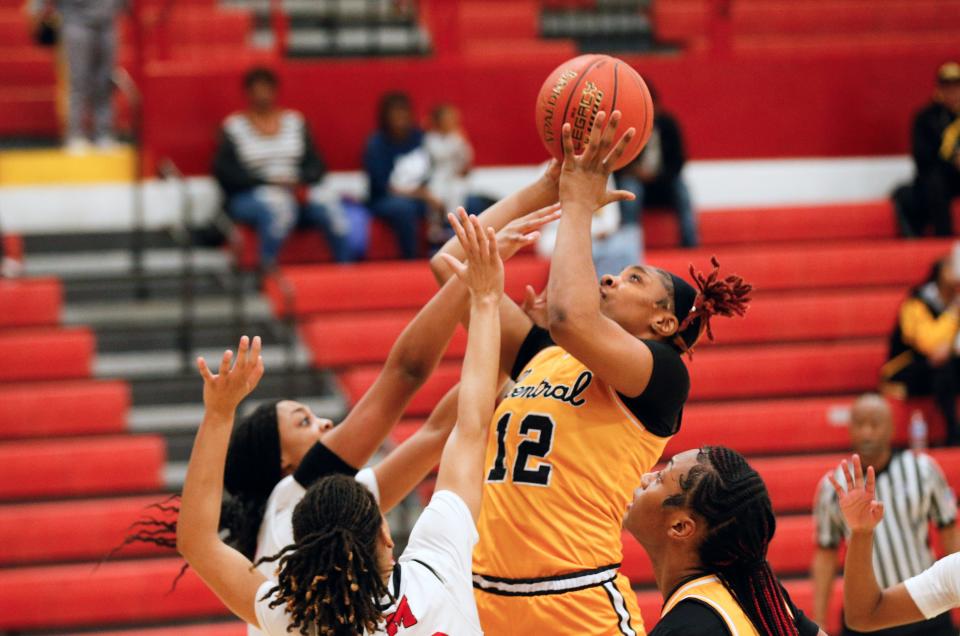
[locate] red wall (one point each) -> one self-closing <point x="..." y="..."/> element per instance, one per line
<point x="750" y="106"/>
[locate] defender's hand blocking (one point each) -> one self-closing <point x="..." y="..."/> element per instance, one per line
<point x="223" y="391"/>
<point x="525" y="231"/>
<point x="483" y="271"/>
<point x="583" y="178"/>
<point x="861" y="510"/>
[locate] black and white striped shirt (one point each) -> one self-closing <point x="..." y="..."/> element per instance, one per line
<point x="914" y="492"/>
<point x="269" y="157"/>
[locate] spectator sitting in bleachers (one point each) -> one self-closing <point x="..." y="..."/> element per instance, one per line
<point x="272" y="175"/>
<point x="923" y="356"/>
<point x="400" y="199"/>
<point x="936" y="153"/>
<point x="655" y="176"/>
<point x="917" y="484"/>
<point x="451" y="158"/>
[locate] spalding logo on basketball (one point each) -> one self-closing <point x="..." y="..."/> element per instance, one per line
<point x="579" y="89"/>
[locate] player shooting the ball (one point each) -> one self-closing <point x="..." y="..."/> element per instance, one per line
<point x="600" y="386"/>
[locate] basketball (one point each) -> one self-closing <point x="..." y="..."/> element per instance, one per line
<point x="580" y="88"/>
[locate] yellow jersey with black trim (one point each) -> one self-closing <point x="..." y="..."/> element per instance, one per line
<point x="709" y="591"/>
<point x="565" y="454"/>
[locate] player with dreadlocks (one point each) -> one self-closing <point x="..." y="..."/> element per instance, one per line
<point x="339" y="577"/>
<point x="706" y="522"/>
<point x="600" y="386"/>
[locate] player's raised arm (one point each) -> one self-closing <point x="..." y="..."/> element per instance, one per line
<point x="225" y="571"/>
<point x="461" y="466"/>
<point x="576" y="321"/>
<point x="866" y="607"/>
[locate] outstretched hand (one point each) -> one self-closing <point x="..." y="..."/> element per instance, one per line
<point x="223" y="391"/>
<point x="583" y="178"/>
<point x="535" y="306"/>
<point x="861" y="510"/>
<point x="525" y="231"/>
<point x="483" y="271"/>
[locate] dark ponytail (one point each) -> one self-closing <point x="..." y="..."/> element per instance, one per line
<point x="252" y="470"/>
<point x="731" y="497"/>
<point x="330" y="579"/>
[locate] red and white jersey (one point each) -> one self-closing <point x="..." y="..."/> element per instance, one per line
<point x="276" y="529"/>
<point x="432" y="582"/>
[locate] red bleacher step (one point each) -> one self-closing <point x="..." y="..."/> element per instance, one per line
<point x="114" y="593"/>
<point x="818" y="268"/>
<point x="845" y="221"/>
<point x="46" y="353"/>
<point x="344" y="339"/>
<point x="30" y="302"/>
<point x="716" y="373"/>
<point x="791" y="551"/>
<point x="229" y="628"/>
<point x="83" y="466"/>
<point x="53" y="409"/>
<point x="375" y="286"/>
<point x="73" y="530"/>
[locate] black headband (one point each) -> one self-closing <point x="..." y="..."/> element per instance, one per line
<point x="684" y="297"/>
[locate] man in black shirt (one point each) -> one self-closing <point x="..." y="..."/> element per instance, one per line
<point x="936" y="153"/>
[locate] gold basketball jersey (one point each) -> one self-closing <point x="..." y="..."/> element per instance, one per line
<point x="564" y="456"/>
<point x="711" y="592"/>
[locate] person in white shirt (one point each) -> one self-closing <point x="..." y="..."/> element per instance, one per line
<point x="866" y="606"/>
<point x="339" y="577"/>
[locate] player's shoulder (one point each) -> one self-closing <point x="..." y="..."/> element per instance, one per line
<point x="691" y="617"/>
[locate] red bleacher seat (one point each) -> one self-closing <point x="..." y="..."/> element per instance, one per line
<point x="310" y="246"/>
<point x="373" y="286"/>
<point x="340" y="340"/>
<point x="30" y="302"/>
<point x="817" y="267"/>
<point x="231" y="628"/>
<point x="845" y="17"/>
<point x="791" y="551"/>
<point x="72" y="530"/>
<point x="84" y="466"/>
<point x="131" y="591"/>
<point x="716" y="373"/>
<point x="760" y="226"/>
<point x="63" y="408"/>
<point x="46" y="353"/>
<point x="343" y="339"/>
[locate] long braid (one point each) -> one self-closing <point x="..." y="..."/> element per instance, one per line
<point x="733" y="500"/>
<point x="716" y="296"/>
<point x="330" y="579"/>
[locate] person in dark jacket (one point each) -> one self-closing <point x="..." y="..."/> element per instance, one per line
<point x="936" y="153"/>
<point x="401" y="202"/>
<point x="923" y="346"/>
<point x="272" y="175"/>
<point x="654" y="177"/>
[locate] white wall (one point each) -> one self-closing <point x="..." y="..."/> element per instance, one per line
<point x="714" y="184"/>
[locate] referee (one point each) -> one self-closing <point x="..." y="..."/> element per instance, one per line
<point x="914" y="491"/>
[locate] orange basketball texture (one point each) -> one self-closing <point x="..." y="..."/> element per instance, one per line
<point x="580" y="88"/>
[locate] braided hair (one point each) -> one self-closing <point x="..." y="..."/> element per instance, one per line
<point x="731" y="497"/>
<point x="252" y="470"/>
<point x="714" y="296"/>
<point x="329" y="578"/>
